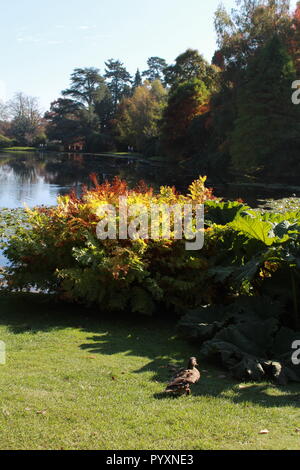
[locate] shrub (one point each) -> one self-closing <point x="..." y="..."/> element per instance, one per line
<point x="61" y="253"/>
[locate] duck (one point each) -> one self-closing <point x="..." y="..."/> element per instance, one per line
<point x="180" y="384"/>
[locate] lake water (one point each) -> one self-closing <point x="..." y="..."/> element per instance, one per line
<point x="38" y="178"/>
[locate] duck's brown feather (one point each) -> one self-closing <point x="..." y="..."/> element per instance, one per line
<point x="183" y="379"/>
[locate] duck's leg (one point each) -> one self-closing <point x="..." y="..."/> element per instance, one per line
<point x="188" y="391"/>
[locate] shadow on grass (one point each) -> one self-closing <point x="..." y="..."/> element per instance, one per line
<point x="212" y="383"/>
<point x="154" y="339"/>
<point x="163" y="396"/>
<point x="23" y="313"/>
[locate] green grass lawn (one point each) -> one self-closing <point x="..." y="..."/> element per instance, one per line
<point x="72" y="382"/>
<point x="19" y="149"/>
<point x="120" y="154"/>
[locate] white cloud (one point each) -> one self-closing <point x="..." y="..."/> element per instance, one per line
<point x="38" y="39"/>
<point x="29" y="38"/>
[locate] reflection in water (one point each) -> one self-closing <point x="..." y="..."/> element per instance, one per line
<point x="37" y="178"/>
<point x="24" y="180"/>
<point x="16" y="190"/>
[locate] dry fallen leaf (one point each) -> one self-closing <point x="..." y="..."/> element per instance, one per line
<point x="264" y="431"/>
<point x="27" y="409"/>
<point x="297" y="430"/>
<point x="242" y="387"/>
<point x="42" y="412"/>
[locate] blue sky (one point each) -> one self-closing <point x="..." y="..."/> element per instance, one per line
<point x="42" y="42"/>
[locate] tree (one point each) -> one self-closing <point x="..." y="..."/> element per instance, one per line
<point x="138" y="81"/>
<point x="26" y="118"/>
<point x="218" y="60"/>
<point x="93" y="103"/>
<point x="156" y="69"/>
<point x="104" y="110"/>
<point x="119" y="80"/>
<point x="189" y="66"/>
<point x="4" y="113"/>
<point x="222" y="117"/>
<point x="5" y="124"/>
<point x="88" y="89"/>
<point x="139" y="116"/>
<point x="250" y="27"/>
<point x="267" y="131"/>
<point x="240" y="36"/>
<point x="187" y="101"/>
<point x="64" y="121"/>
<point x="87" y="86"/>
<point x="294" y="46"/>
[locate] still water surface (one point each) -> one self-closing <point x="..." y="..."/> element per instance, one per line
<point x="38" y="178"/>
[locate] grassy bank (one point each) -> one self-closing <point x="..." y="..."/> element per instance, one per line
<point x="71" y="382"/>
<point x="19" y="149"/>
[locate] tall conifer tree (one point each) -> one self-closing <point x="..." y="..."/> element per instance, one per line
<point x="267" y="130"/>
